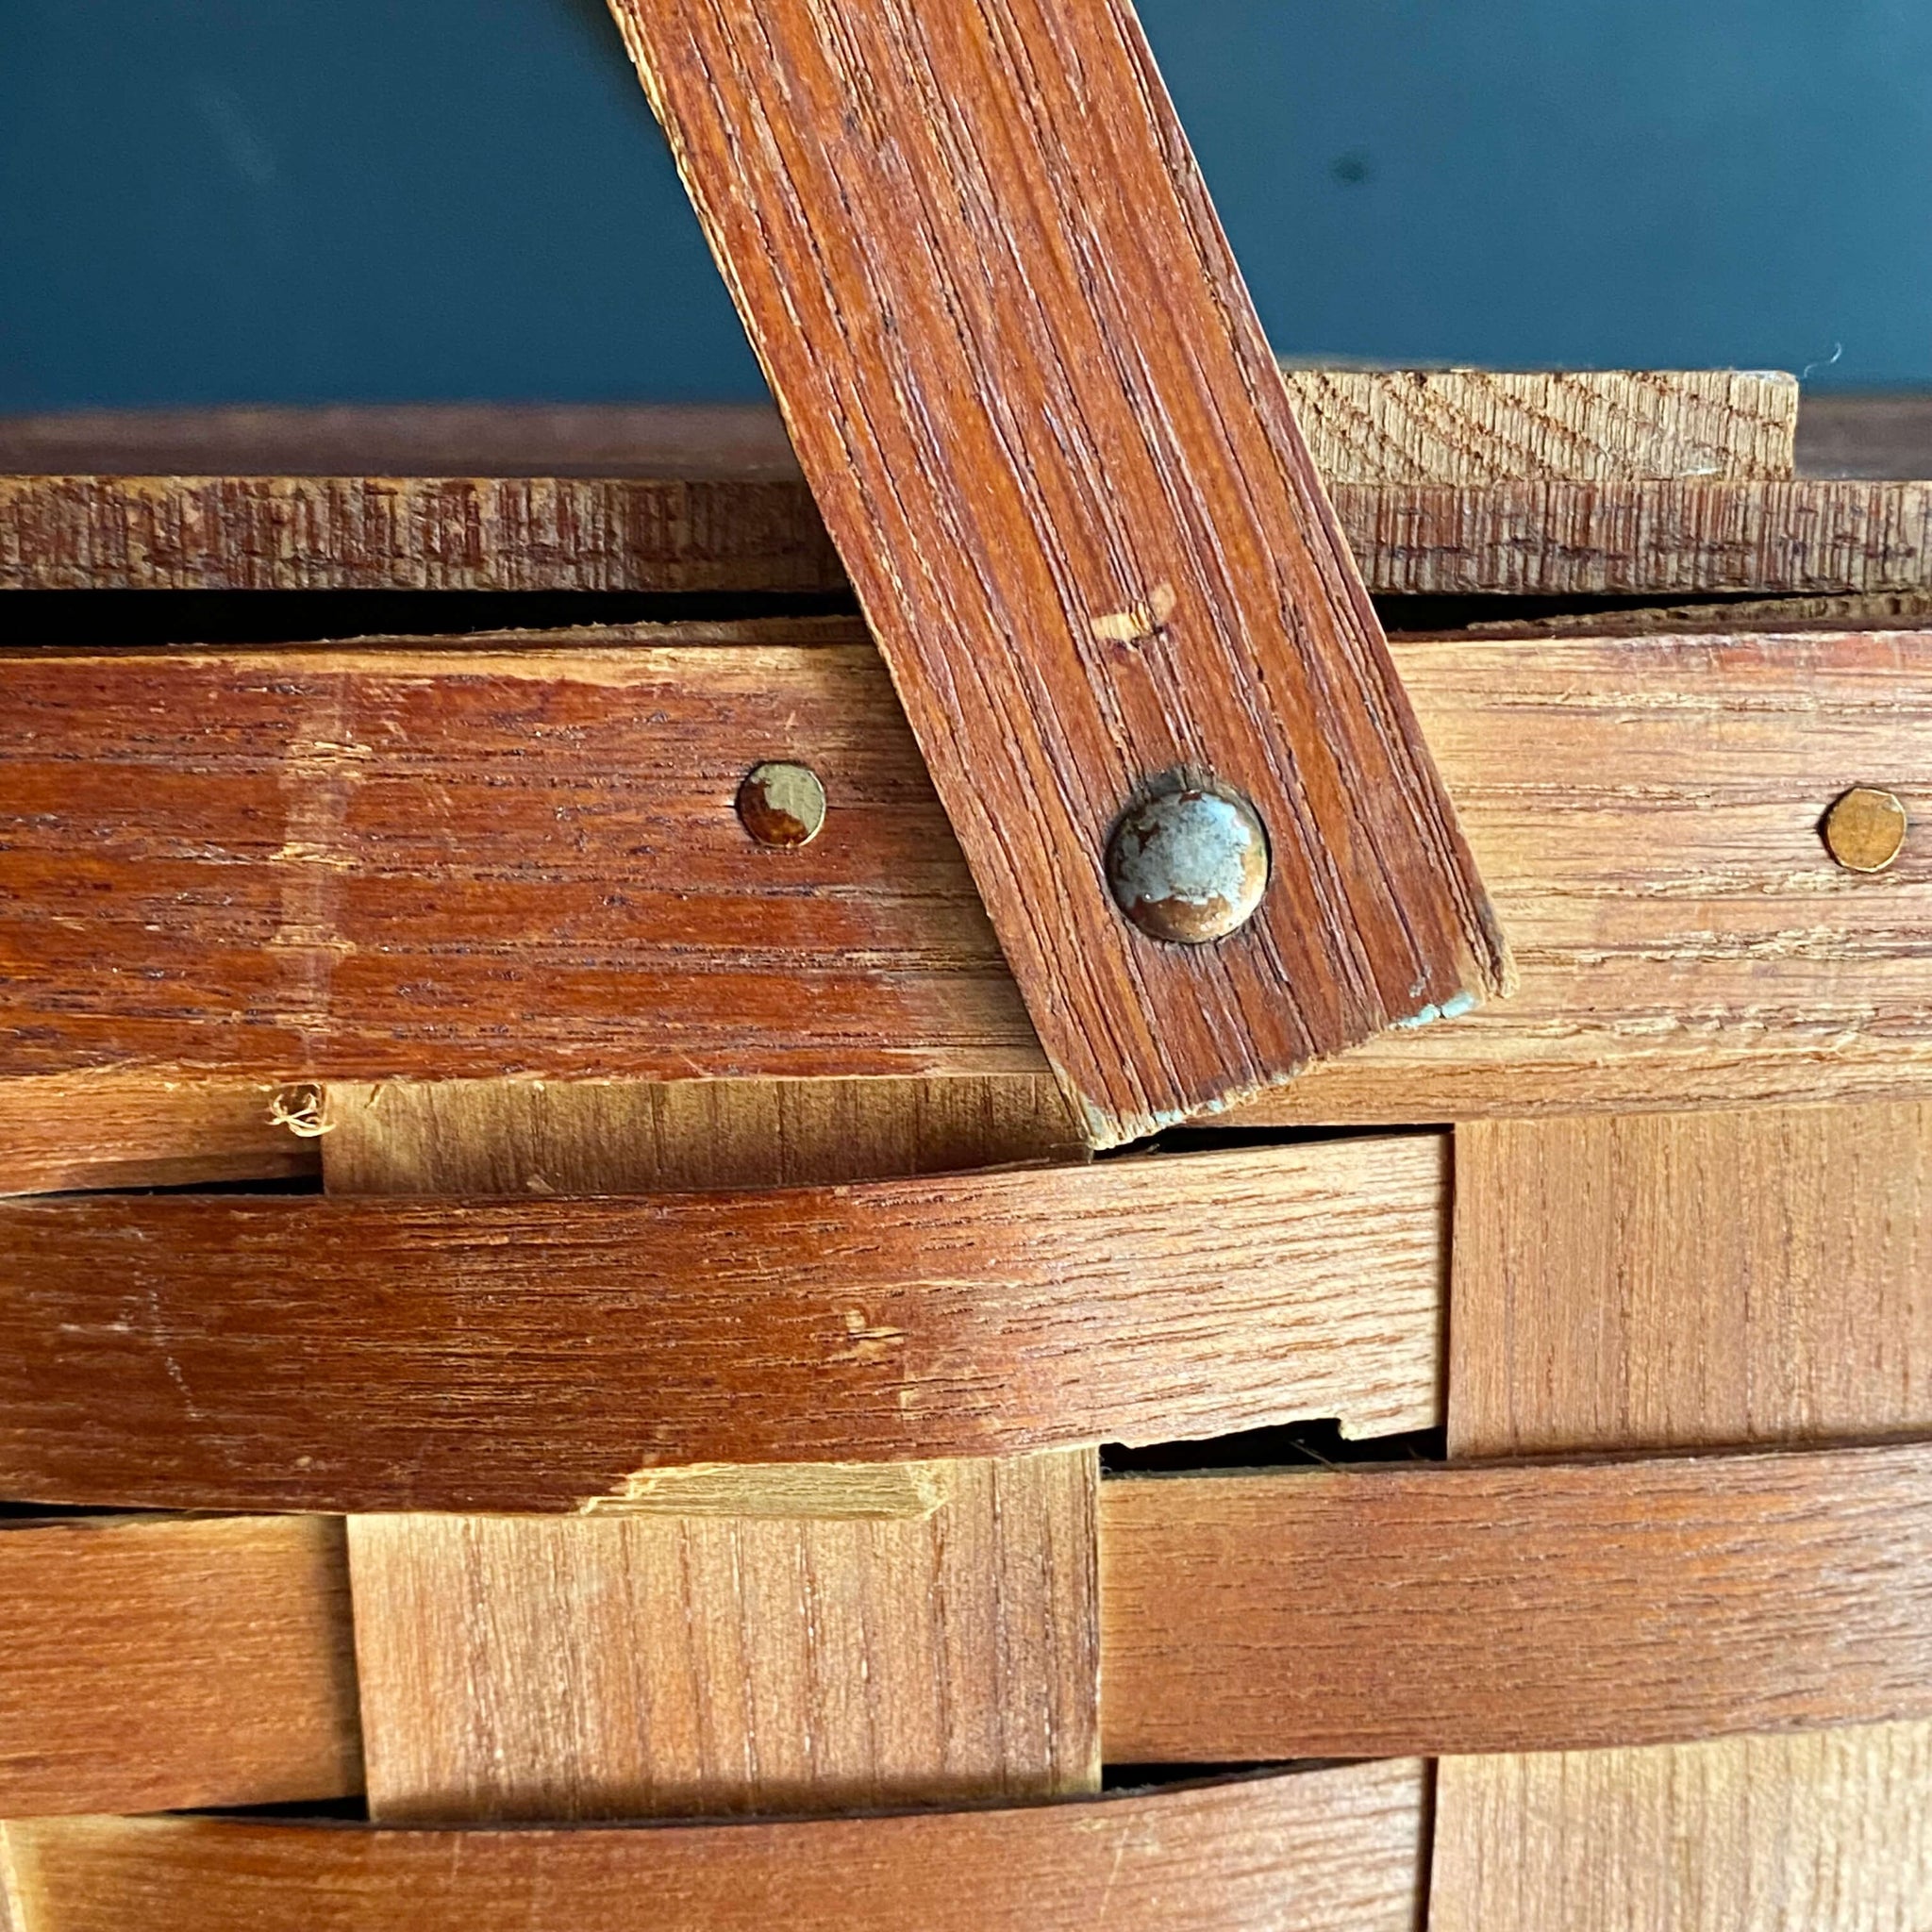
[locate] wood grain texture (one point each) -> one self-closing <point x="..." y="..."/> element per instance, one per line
<point x="1327" y="1851"/>
<point x="1667" y="538"/>
<point x="1483" y="425"/>
<point x="153" y="1665"/>
<point x="1830" y="1832"/>
<point x="1660" y="539"/>
<point x="378" y="533"/>
<point x="1438" y="425"/>
<point x="632" y="1136"/>
<point x="1646" y="812"/>
<point x="1535" y="1607"/>
<point x="114" y="1130"/>
<point x="769" y="1638"/>
<point x="1033" y="399"/>
<point x="1676" y="1281"/>
<point x="305" y="1354"/>
<point x="280" y="904"/>
<point x="637" y="1666"/>
<point x="1727" y="1278"/>
<point x="287" y="863"/>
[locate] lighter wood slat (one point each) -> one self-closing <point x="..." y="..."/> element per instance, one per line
<point x="1033" y="399"/>
<point x="792" y="1655"/>
<point x="1483" y="426"/>
<point x="638" y="1666"/>
<point x="1646" y="814"/>
<point x="150" y="1665"/>
<point x="543" y="1138"/>
<point x="1675" y="1281"/>
<point x="1647" y="810"/>
<point x="1500" y="1608"/>
<point x="1660" y="539"/>
<point x="1625" y="1285"/>
<point x="175" y="1350"/>
<point x="1329" y="1851"/>
<point x="1827" y="1833"/>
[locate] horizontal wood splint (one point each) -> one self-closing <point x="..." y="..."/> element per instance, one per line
<point x="1661" y="538"/>
<point x="1527" y="1606"/>
<point x="445" y="862"/>
<point x="413" y="1355"/>
<point x="1291" y="1854"/>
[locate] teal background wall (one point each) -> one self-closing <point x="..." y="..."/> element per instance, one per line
<point x="206" y="201"/>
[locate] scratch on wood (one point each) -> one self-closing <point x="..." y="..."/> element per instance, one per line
<point x="808" y="1491"/>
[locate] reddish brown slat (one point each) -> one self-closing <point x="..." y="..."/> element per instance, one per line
<point x="1331" y="1851"/>
<point x="1533" y="1607"/>
<point x="250" y="904"/>
<point x="1037" y="409"/>
<point x="372" y="863"/>
<point x="158" y="1665"/>
<point x="395" y="1354"/>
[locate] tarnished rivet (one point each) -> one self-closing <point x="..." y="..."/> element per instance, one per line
<point x="782" y="805"/>
<point x="1188" y="863"/>
<point x="1865" y="829"/>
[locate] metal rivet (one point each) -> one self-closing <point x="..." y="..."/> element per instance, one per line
<point x="1865" y="829"/>
<point x="782" y="805"/>
<point x="1189" y="861"/>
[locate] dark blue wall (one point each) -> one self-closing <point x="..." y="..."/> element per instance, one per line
<point x="366" y="200"/>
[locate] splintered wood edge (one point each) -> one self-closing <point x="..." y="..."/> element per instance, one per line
<point x="1668" y="538"/>
<point x="809" y="1492"/>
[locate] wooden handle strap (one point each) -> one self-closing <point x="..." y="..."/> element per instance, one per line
<point x="1036" y="409"/>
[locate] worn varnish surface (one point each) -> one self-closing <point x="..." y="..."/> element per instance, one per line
<point x="1629" y="1285"/>
<point x="366" y="872"/>
<point x="1486" y="426"/>
<point x="517" y="1668"/>
<point x="767" y="1638"/>
<point x="366" y="863"/>
<point x="1033" y="399"/>
<point x="1532" y="1608"/>
<point x="1667" y="538"/>
<point x="159" y="1665"/>
<point x="1327" y="1851"/>
<point x="296" y="1353"/>
<point x="1646" y="812"/>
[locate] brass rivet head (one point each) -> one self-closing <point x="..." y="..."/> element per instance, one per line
<point x="1865" y="829"/>
<point x="1188" y="863"/>
<point x="782" y="805"/>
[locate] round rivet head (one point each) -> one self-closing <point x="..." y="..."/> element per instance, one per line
<point x="782" y="805"/>
<point x="1188" y="863"/>
<point x="1865" y="829"/>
